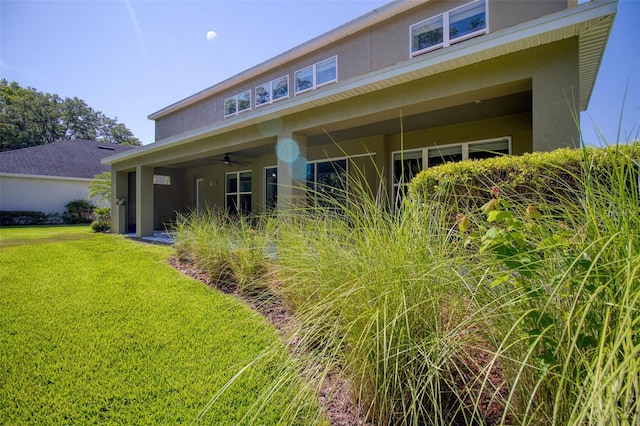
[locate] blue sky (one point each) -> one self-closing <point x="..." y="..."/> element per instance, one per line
<point x="129" y="58"/>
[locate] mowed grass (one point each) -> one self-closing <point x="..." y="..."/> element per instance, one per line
<point x="19" y="235"/>
<point x="97" y="328"/>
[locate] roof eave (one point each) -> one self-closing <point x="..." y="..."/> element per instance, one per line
<point x="45" y="177"/>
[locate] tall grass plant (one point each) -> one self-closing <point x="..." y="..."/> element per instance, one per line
<point x="515" y="307"/>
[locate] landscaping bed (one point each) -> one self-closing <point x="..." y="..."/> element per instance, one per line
<point x="515" y="305"/>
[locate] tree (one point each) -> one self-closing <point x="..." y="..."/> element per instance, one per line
<point x="29" y="117"/>
<point x="100" y="187"/>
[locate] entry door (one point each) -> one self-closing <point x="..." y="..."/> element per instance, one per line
<point x="199" y="195"/>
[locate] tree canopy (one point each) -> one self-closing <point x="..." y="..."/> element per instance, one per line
<point x="29" y="117"/>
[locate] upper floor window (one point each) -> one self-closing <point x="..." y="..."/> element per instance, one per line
<point x="316" y="75"/>
<point x="450" y="27"/>
<point x="272" y="91"/>
<point x="238" y="103"/>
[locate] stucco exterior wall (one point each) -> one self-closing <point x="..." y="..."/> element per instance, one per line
<point x="517" y="127"/>
<point x="42" y="193"/>
<point x="549" y="71"/>
<point x="379" y="46"/>
<point x="168" y="199"/>
<point x="507" y="13"/>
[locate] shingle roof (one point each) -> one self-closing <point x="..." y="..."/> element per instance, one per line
<point x="73" y="158"/>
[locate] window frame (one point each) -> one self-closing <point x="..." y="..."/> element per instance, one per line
<point x="234" y="99"/>
<point x="236" y="102"/>
<point x="395" y="186"/>
<point x="312" y="196"/>
<point x="271" y="87"/>
<point x="447" y="40"/>
<point x="237" y="192"/>
<point x="471" y="34"/>
<point x="314" y="76"/>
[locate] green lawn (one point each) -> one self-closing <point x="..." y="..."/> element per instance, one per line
<point x="97" y="328"/>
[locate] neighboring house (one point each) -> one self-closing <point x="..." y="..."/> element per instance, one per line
<point x="45" y="178"/>
<point x="407" y="86"/>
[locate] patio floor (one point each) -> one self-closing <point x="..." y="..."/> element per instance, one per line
<point x="158" y="237"/>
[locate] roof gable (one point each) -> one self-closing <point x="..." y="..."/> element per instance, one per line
<point x="72" y="158"/>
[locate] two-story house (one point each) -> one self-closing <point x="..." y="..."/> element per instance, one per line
<point x="412" y="84"/>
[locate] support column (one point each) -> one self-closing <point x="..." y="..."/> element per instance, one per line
<point x="144" y="201"/>
<point x="119" y="199"/>
<point x="556" y="98"/>
<point x="291" y="151"/>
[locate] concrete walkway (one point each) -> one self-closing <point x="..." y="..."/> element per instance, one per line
<point x="158" y="237"/>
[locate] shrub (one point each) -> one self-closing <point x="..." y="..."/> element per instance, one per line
<point x="103" y="220"/>
<point x="79" y="211"/>
<point x="8" y="218"/>
<point x="546" y="179"/>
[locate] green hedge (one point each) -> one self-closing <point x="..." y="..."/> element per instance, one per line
<point x="546" y="179"/>
<point x="9" y="218"/>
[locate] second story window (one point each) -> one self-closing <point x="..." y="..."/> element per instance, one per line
<point x="272" y="91"/>
<point x="467" y="20"/>
<point x="238" y="103"/>
<point x="450" y="27"/>
<point x="316" y="75"/>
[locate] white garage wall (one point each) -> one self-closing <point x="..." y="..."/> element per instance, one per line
<point x="45" y="194"/>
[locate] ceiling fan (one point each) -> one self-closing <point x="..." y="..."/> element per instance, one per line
<point x="229" y="162"/>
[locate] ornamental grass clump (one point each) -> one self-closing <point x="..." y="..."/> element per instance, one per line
<point x="250" y="256"/>
<point x="232" y="252"/>
<point x="484" y="300"/>
<point x="203" y="239"/>
<point x="374" y="296"/>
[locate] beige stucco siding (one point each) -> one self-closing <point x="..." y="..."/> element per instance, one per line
<point x="507" y="13"/>
<point x="374" y="48"/>
<point x="517" y="127"/>
<point x="549" y="71"/>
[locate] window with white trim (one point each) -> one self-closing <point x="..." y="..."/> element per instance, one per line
<point x="461" y="23"/>
<point x="272" y="91"/>
<point x="238" y="193"/>
<point x="327" y="182"/>
<point x="407" y="164"/>
<point x="316" y="75"/>
<point x="238" y="103"/>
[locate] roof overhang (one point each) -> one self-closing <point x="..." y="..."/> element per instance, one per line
<point x="44" y="177"/>
<point x="365" y="21"/>
<point x="591" y="22"/>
